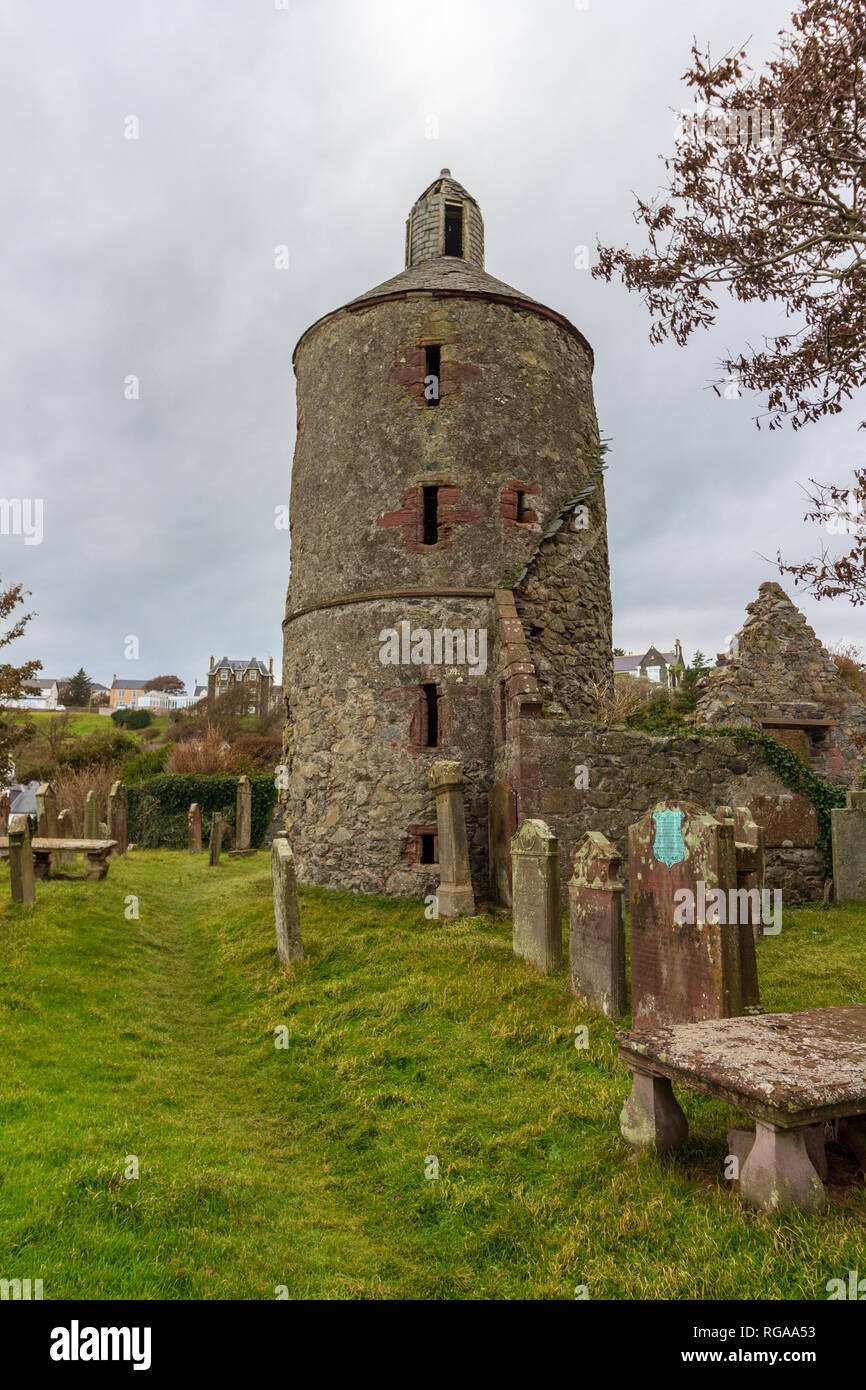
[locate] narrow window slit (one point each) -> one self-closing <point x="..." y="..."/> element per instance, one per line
<point x="454" y="229"/>
<point x="428" y="849"/>
<point x="431" y="515"/>
<point x="433" y="361"/>
<point x="431" y="707"/>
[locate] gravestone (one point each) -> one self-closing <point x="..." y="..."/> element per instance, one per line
<point x="243" y="814"/>
<point x="848" y="833"/>
<point x="501" y="826"/>
<point x="286" y="914"/>
<point x="749" y="856"/>
<point x="596" y="898"/>
<point x="117" y="817"/>
<point x="4" y="812"/>
<point x="217" y="830"/>
<point x="46" y="811"/>
<point x="454" y="895"/>
<point x="683" y="970"/>
<point x="21" y="875"/>
<point x="46" y="817"/>
<point x="91" y="817"/>
<point x="194" y="828"/>
<point x="536" y="914"/>
<point x="66" y="831"/>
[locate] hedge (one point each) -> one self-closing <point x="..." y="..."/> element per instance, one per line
<point x="158" y="807"/>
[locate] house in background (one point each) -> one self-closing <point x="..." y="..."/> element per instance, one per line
<point x="653" y="665"/>
<point x="41" y="693"/>
<point x="256" y="679"/>
<point x="124" y="693"/>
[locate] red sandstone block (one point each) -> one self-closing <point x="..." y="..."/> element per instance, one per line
<point x="516" y="486"/>
<point x="448" y="496"/>
<point x="395" y="518"/>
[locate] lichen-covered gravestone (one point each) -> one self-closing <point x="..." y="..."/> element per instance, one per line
<point x="454" y="895"/>
<point x="117" y="817"/>
<point x="217" y="830"/>
<point x="4" y="812"/>
<point x="243" y="814"/>
<point x="91" y="817"/>
<point x="685" y="965"/>
<point x="597" y="926"/>
<point x="537" y="918"/>
<point x="194" y="828"/>
<point x="286" y="914"/>
<point x="848" y="831"/>
<point x="21" y="873"/>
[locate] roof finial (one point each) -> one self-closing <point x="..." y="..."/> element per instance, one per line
<point x="444" y="173"/>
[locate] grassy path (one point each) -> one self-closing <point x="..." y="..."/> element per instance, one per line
<point x="304" y="1165"/>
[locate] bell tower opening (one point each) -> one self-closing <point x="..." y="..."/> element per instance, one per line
<point x="454" y="229"/>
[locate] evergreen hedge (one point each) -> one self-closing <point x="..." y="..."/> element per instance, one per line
<point x="158" y="807"/>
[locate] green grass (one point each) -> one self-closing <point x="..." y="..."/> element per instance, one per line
<point x="304" y="1166"/>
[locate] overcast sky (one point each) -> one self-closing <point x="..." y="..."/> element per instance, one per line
<point x="309" y="126"/>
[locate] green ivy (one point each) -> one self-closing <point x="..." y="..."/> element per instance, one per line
<point x="158" y="807"/>
<point x="797" y="776"/>
<point x="659" y="717"/>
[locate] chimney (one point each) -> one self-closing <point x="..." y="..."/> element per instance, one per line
<point x="210" y="668"/>
<point x="271" y="664"/>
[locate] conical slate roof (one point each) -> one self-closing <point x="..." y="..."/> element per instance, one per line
<point x="445" y="273"/>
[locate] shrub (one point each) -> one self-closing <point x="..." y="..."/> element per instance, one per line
<point x="158" y="807"/>
<point x="256" y="753"/>
<point x="73" y="784"/>
<point x="202" y="756"/>
<point x="98" y="750"/>
<point x="131" y="718"/>
<point x="149" y="763"/>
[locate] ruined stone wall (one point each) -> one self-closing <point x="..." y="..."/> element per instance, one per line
<point x="779" y="669"/>
<point x="628" y="772"/>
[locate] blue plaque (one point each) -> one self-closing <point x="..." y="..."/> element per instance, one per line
<point x="669" y="846"/>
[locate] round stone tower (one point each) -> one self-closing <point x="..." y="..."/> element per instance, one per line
<point x="447" y="451"/>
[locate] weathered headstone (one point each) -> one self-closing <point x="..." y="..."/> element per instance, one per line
<point x="749" y="857"/>
<point x="454" y="895"/>
<point x="91" y="817"/>
<point x="848" y="833"/>
<point x="501" y="826"/>
<point x="685" y="957"/>
<point x="243" y="813"/>
<point x="46" y="811"/>
<point x="536" y="913"/>
<point x="194" y="828"/>
<point x="66" y="831"/>
<point x="21" y="874"/>
<point x="117" y="817"/>
<point x="46" y="817"/>
<point x="596" y="897"/>
<point x="217" y="830"/>
<point x="4" y="812"/>
<point x="286" y="913"/>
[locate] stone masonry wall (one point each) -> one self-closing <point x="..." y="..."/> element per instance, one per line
<point x="628" y="772"/>
<point x="357" y="770"/>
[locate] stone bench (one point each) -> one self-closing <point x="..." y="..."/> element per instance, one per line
<point x="97" y="852"/>
<point x="790" y="1072"/>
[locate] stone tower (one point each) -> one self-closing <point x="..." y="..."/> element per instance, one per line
<point x="447" y="467"/>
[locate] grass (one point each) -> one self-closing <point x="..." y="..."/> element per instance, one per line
<point x="304" y="1166"/>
